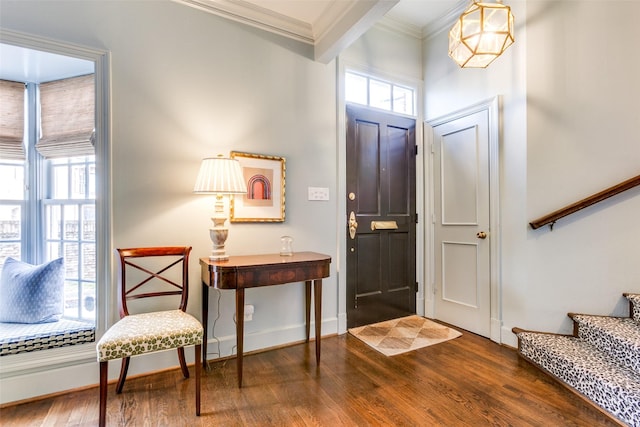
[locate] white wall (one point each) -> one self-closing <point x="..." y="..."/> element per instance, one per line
<point x="389" y="52"/>
<point x="187" y="85"/>
<point x="582" y="113"/>
<point x="570" y="91"/>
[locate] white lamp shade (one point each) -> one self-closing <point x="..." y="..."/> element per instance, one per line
<point x="220" y="175"/>
<point x="481" y="34"/>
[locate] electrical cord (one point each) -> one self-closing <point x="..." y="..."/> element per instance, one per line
<point x="213" y="326"/>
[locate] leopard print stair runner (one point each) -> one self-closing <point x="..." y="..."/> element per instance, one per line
<point x="634" y="299"/>
<point x="602" y="362"/>
<point x="619" y="337"/>
<point x="589" y="371"/>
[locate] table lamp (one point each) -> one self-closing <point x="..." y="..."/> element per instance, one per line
<point x="220" y="176"/>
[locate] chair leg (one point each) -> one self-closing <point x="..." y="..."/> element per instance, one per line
<point x="198" y="350"/>
<point x="104" y="368"/>
<point x="123" y="374"/>
<point x="183" y="363"/>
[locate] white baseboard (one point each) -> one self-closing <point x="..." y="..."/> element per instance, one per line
<point x="420" y="311"/>
<point x="342" y="323"/>
<point x="496" y="335"/>
<point x="508" y="337"/>
<point x="266" y="338"/>
<point x="29" y="379"/>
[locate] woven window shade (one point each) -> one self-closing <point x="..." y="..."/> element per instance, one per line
<point x="67" y="111"/>
<point x="11" y="120"/>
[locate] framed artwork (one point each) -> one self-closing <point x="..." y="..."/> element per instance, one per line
<point x="264" y="201"/>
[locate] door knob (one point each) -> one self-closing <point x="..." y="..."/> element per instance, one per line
<point x="353" y="225"/>
<point x="481" y="235"/>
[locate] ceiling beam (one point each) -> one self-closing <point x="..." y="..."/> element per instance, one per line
<point x="338" y="32"/>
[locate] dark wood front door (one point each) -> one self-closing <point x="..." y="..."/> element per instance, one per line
<point x="381" y="216"/>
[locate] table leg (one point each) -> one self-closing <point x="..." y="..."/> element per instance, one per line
<point x="205" y="321"/>
<point x="307" y="286"/>
<point x="317" y="299"/>
<point x="239" y="331"/>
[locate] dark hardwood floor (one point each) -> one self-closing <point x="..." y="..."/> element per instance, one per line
<point x="469" y="381"/>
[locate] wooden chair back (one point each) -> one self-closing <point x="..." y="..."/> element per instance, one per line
<point x="151" y="272"/>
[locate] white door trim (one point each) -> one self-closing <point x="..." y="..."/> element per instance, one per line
<point x="492" y="106"/>
<point x="342" y="65"/>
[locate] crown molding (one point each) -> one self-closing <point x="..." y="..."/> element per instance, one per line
<point x="446" y="21"/>
<point x="399" y="27"/>
<point x="443" y="23"/>
<point x="340" y="24"/>
<point x="256" y="16"/>
<point x="335" y="12"/>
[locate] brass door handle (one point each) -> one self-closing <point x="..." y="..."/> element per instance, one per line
<point x="353" y="225"/>
<point x="481" y="235"/>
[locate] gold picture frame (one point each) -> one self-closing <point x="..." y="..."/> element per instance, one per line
<point x="265" y="179"/>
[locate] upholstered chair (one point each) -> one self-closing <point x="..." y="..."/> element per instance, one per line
<point x="147" y="275"/>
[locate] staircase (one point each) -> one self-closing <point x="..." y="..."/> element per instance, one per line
<point x="601" y="361"/>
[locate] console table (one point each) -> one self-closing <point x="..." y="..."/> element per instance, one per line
<point x="252" y="271"/>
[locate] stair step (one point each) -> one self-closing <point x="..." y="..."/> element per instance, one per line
<point x="613" y="387"/>
<point x="619" y="337"/>
<point x="634" y="299"/>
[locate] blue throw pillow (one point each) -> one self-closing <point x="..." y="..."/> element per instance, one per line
<point x="31" y="293"/>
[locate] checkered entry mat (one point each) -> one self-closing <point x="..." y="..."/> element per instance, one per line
<point x="399" y="336"/>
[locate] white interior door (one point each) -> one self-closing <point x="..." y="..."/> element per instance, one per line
<point x="462" y="235"/>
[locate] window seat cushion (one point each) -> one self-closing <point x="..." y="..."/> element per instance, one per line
<point x="22" y="337"/>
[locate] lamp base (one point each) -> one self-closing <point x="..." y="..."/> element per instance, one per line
<point x="218" y="237"/>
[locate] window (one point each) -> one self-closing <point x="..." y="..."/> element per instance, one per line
<point x="25" y="59"/>
<point x="11" y="203"/>
<point x="70" y="231"/>
<point x="47" y="200"/>
<point x="377" y="93"/>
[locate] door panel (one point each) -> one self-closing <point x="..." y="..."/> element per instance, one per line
<point x="381" y="179"/>
<point x="399" y="187"/>
<point x="454" y="278"/>
<point x="398" y="245"/>
<point x="368" y="265"/>
<point x="459" y="177"/>
<point x="365" y="163"/>
<point x="461" y="197"/>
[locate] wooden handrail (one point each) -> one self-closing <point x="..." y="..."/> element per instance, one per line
<point x="575" y="207"/>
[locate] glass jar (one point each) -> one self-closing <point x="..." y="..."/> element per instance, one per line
<point x="286" y="248"/>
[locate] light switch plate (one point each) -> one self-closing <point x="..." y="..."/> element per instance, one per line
<point x="318" y="193"/>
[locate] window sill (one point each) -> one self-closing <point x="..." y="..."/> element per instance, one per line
<point x="44" y="360"/>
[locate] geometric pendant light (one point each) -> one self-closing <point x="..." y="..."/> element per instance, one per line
<point x="481" y="34"/>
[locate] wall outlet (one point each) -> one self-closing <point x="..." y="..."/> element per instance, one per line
<point x="318" y="193"/>
<point x="248" y="312"/>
